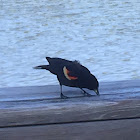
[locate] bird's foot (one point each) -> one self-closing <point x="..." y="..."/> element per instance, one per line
<point x="63" y="96"/>
<point x="87" y="94"/>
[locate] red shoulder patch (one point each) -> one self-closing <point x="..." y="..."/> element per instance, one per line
<point x="66" y="73"/>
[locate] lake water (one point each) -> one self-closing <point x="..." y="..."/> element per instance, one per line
<point x="104" y="35"/>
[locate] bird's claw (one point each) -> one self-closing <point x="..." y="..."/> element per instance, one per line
<point x="87" y="94"/>
<point x="63" y="96"/>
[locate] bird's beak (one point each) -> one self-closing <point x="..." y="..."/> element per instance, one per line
<point x="96" y="91"/>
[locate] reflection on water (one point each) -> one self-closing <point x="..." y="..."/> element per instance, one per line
<point x="103" y="35"/>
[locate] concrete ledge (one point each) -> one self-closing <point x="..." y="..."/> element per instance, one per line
<point x="31" y="108"/>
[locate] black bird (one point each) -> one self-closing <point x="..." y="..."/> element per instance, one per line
<point x="72" y="74"/>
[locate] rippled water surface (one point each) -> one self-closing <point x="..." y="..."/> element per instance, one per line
<point x="104" y="35"/>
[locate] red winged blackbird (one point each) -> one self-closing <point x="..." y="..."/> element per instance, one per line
<point x="72" y="74"/>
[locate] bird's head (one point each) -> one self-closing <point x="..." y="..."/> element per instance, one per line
<point x="94" y="84"/>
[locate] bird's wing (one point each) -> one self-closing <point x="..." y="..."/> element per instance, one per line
<point x="69" y="73"/>
<point x="80" y="67"/>
<point x="75" y="71"/>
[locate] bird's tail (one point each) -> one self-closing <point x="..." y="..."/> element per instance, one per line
<point x="42" y="67"/>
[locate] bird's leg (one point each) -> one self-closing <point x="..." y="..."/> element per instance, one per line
<point x="85" y="93"/>
<point x="61" y="94"/>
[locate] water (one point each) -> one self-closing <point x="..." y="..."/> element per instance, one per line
<point x="103" y="35"/>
